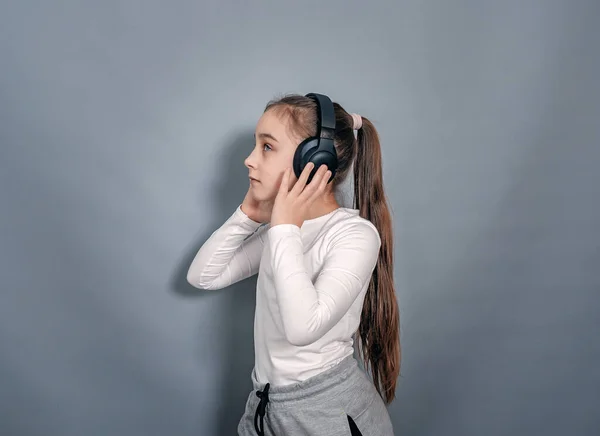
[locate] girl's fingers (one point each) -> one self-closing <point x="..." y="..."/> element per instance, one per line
<point x="301" y="182"/>
<point x="324" y="182"/>
<point x="322" y="185"/>
<point x="316" y="187"/>
<point x="283" y="187"/>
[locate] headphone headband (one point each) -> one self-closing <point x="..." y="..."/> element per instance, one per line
<point x="325" y="115"/>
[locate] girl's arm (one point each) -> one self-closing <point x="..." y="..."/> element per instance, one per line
<point x="231" y="254"/>
<point x="309" y="310"/>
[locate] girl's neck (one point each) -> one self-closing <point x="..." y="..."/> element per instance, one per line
<point x="322" y="206"/>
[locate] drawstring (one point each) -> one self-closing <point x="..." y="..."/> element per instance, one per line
<point x="262" y="407"/>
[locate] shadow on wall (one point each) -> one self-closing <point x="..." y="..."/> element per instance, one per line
<point x="238" y="300"/>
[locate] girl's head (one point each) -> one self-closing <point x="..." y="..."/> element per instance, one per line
<point x="284" y="124"/>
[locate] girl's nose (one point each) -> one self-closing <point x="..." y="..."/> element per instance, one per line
<point x="250" y="161"/>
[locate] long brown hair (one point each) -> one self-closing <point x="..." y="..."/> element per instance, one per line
<point x="379" y="329"/>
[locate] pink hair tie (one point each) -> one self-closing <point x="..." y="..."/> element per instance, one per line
<point x="357" y="120"/>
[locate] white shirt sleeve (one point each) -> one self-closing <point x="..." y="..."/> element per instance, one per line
<point x="309" y="310"/>
<point x="232" y="253"/>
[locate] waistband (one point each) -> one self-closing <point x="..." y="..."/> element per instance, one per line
<point x="314" y="385"/>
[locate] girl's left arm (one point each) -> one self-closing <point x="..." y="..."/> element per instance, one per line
<point x="309" y="310"/>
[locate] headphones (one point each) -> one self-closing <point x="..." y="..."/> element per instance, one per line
<point x="319" y="149"/>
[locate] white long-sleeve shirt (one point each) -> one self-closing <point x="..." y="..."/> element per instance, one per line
<point x="311" y="285"/>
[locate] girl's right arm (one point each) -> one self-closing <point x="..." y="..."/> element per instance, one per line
<point x="231" y="254"/>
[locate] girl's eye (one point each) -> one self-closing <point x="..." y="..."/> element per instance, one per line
<point x="267" y="145"/>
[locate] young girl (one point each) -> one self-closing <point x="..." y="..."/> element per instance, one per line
<point x="325" y="272"/>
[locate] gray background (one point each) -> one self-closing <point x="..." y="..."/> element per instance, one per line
<point x="123" y="129"/>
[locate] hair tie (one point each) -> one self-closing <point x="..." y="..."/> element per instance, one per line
<point x="357" y="120"/>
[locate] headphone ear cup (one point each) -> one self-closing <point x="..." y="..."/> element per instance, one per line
<point x="320" y="158"/>
<point x="302" y="154"/>
<point x="306" y="152"/>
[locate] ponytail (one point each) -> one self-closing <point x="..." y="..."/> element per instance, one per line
<point x="379" y="329"/>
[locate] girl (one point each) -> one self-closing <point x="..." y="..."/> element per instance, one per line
<point x="325" y="272"/>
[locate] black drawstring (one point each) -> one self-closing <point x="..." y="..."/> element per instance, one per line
<point x="262" y="407"/>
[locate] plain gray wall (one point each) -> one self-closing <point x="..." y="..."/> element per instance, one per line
<point x="123" y="129"/>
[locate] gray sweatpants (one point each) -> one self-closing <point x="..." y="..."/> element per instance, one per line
<point x="338" y="401"/>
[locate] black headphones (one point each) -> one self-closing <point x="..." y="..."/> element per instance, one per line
<point x="319" y="149"/>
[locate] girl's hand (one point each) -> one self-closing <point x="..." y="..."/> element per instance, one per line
<point x="291" y="207"/>
<point x="257" y="211"/>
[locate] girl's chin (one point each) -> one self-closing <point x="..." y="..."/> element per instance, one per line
<point x="259" y="193"/>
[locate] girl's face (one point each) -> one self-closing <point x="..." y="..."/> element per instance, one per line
<point x="273" y="152"/>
